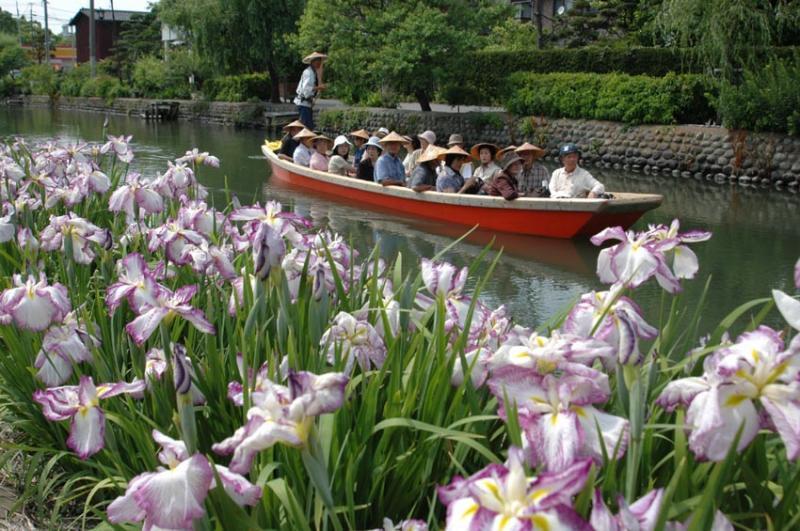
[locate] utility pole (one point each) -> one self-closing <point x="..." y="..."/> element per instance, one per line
<point x="46" y="35"/>
<point x="536" y="11"/>
<point x="19" y="25"/>
<point x="92" y="56"/>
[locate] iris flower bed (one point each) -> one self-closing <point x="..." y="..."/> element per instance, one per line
<point x="171" y="365"/>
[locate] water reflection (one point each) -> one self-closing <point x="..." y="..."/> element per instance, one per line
<point x="756" y="232"/>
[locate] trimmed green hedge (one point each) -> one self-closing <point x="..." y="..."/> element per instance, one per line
<point x="673" y="98"/>
<point x="243" y="87"/>
<point x="487" y="81"/>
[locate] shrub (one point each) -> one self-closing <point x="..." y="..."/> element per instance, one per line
<point x="767" y="99"/>
<point x="73" y="80"/>
<point x="631" y="99"/>
<point x="106" y="87"/>
<point x="154" y="78"/>
<point x="488" y="81"/>
<point x="238" y="88"/>
<point x="41" y="80"/>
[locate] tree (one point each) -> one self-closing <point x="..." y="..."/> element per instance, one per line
<point x="139" y="37"/>
<point x="8" y="24"/>
<point x="730" y="36"/>
<point x="240" y="36"/>
<point x="408" y="47"/>
<point x="12" y="56"/>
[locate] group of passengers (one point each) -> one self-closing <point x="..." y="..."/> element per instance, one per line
<point x="511" y="172"/>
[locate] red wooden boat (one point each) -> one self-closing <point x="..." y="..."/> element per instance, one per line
<point x="555" y="218"/>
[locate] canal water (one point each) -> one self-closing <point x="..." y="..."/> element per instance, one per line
<point x="755" y="244"/>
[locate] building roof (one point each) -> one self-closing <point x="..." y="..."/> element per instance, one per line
<point x="105" y="15"/>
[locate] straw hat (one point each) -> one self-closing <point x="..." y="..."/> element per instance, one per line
<point x="502" y="152"/>
<point x="537" y="151"/>
<point x="509" y="159"/>
<point x="297" y="124"/>
<point x="305" y="133"/>
<point x="375" y="142"/>
<point x="455" y="150"/>
<point x="430" y="154"/>
<point x="428" y="136"/>
<point x="394" y="137"/>
<point x="322" y="138"/>
<point x="476" y="149"/>
<point x="316" y="55"/>
<point x="454" y="139"/>
<point x="361" y="133"/>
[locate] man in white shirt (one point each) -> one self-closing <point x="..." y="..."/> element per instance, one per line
<point x="572" y="180"/>
<point x="302" y="153"/>
<point x="309" y="86"/>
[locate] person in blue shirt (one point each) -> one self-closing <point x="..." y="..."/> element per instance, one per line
<point x="360" y="138"/>
<point x="389" y="170"/>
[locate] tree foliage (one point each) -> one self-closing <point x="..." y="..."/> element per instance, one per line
<point x="406" y="48"/>
<point x="139" y="37"/>
<point x="730" y="36"/>
<point x="11" y="55"/>
<point x="239" y="36"/>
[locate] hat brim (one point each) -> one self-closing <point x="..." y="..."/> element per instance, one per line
<point x="393" y="137"/>
<point x="308" y="59"/>
<point x="536" y="150"/>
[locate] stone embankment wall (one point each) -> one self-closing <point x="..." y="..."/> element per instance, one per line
<point x="681" y="151"/>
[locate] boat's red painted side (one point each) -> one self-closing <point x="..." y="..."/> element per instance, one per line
<point x="549" y="223"/>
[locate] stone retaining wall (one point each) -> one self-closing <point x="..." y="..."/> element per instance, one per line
<point x="681" y="151"/>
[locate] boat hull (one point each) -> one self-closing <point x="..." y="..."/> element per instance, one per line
<point x="555" y="218"/>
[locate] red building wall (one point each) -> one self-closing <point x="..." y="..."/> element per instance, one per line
<point x="106" y="32"/>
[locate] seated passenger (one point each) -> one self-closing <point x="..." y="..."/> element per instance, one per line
<point x="502" y="153"/>
<point x="423" y="178"/>
<point x="302" y="153"/>
<point x="389" y="169"/>
<point x="428" y="138"/>
<point x="366" y="168"/>
<point x="457" y="140"/>
<point x="485" y="153"/>
<point x="572" y="180"/>
<point x="288" y="143"/>
<point x="450" y="179"/>
<point x="360" y="138"/>
<point x="381" y="132"/>
<point x="534" y="176"/>
<point x="339" y="163"/>
<point x="505" y="182"/>
<point x="320" y="158"/>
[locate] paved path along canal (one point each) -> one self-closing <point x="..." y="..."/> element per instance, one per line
<point x="755" y="245"/>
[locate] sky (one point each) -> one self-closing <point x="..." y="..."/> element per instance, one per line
<point x="59" y="12"/>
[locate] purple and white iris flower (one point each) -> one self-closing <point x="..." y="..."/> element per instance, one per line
<point x="197" y="158"/>
<point x="7" y="227"/>
<point x="166" y="306"/>
<point x="80" y="404"/>
<point x="286" y="223"/>
<point x="621" y="327"/>
<point x="283" y="415"/>
<point x="787" y="305"/>
<point x="173" y="236"/>
<point x="183" y="373"/>
<point x="641" y="515"/>
<point x="135" y="193"/>
<point x="63" y="346"/>
<point x="260" y="384"/>
<point x="33" y="305"/>
<point x="446" y="282"/>
<point x="80" y="233"/>
<point x="404" y="525"/>
<point x="136" y="284"/>
<point x="501" y="497"/>
<point x="355" y="341"/>
<point x="178" y="181"/>
<point x="640" y="256"/>
<point x="561" y="424"/>
<point x="120" y="146"/>
<point x="754" y="371"/>
<point x="174" y="496"/>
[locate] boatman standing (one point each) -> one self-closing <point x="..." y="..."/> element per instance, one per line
<point x="309" y="87"/>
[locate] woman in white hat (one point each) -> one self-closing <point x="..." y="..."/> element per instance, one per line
<point x="320" y="158"/>
<point x="366" y="168"/>
<point x="427" y="138"/>
<point x="309" y="87"/>
<point x="340" y="163"/>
